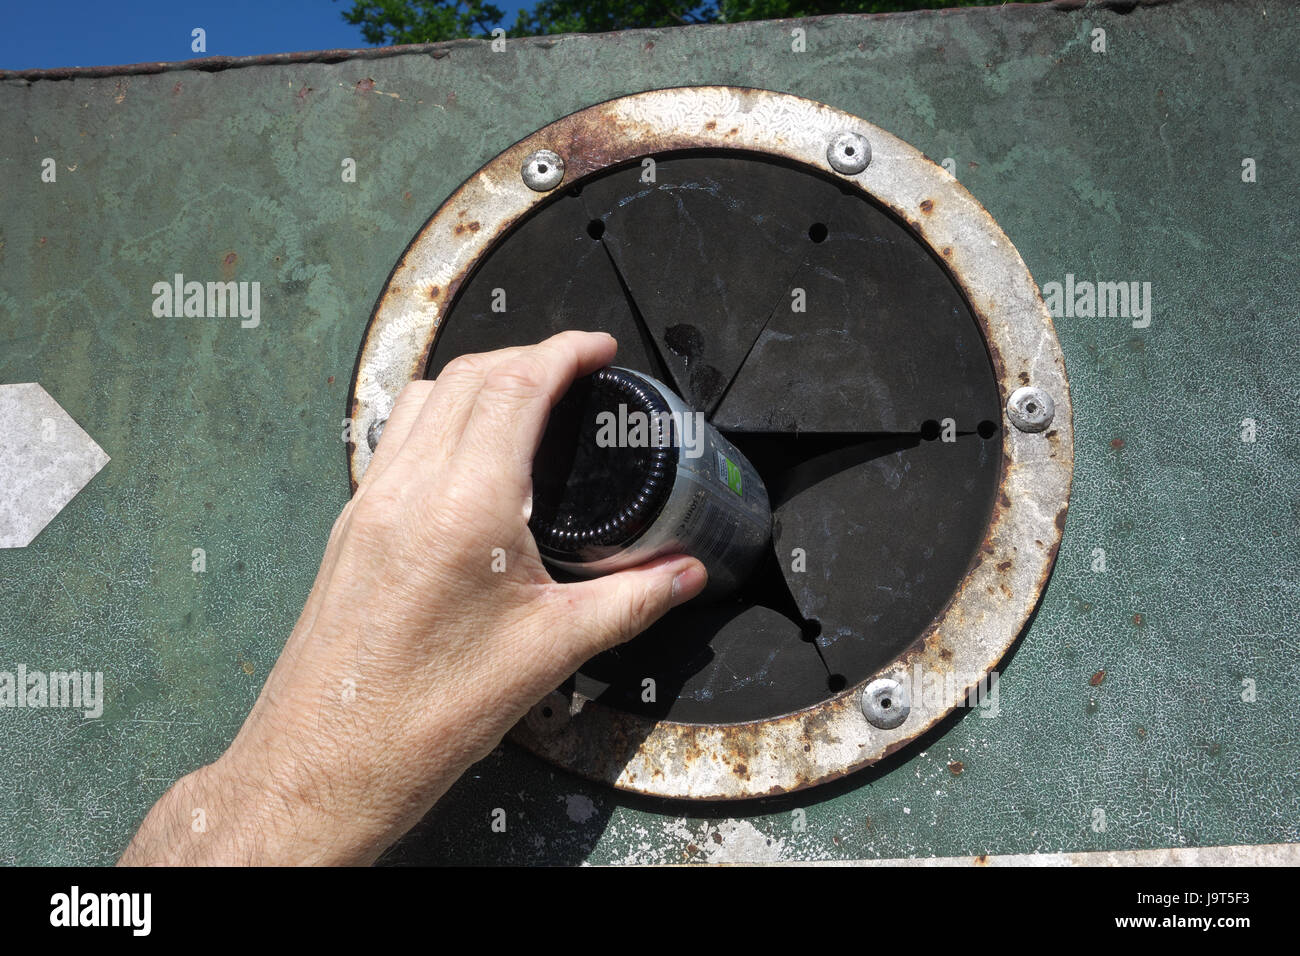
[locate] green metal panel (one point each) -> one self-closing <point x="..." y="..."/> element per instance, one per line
<point x="1124" y="165"/>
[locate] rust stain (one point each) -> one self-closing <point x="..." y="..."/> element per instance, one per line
<point x="711" y="124"/>
<point x="1004" y="566"/>
<point x="982" y="860"/>
<point x="956" y="767"/>
<point x="927" y="206"/>
<point x="1096" y="679"/>
<point x="228" y="265"/>
<point x="364" y="86"/>
<point x="1138" y="619"/>
<point x="591" y="141"/>
<point x="1117" y="443"/>
<point x="947" y="252"/>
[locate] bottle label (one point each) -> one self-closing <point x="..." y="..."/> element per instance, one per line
<point x="729" y="473"/>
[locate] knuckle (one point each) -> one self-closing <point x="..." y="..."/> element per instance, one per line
<point x="517" y="378"/>
<point x="635" y="613"/>
<point x="462" y="366"/>
<point x="414" y="393"/>
<point x="376" y="511"/>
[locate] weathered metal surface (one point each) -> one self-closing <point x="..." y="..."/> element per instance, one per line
<point x="967" y="638"/>
<point x="1123" y="165"/>
<point x="697" y="269"/>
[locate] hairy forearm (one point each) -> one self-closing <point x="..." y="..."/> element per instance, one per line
<point x="431" y="629"/>
<point x="214" y="817"/>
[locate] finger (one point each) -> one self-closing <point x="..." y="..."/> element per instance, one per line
<point x="437" y="430"/>
<point x="405" y="411"/>
<point x="605" y="612"/>
<point x="510" y="413"/>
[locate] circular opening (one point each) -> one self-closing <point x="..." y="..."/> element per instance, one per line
<point x="541" y="168"/>
<point x="987" y="429"/>
<point x="796" y="633"/>
<point x="1031" y="408"/>
<point x="886" y="703"/>
<point x="547" y="712"/>
<point x="848" y="150"/>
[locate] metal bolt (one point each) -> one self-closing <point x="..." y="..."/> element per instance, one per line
<point x="1030" y="409"/>
<point x="885" y="703"/>
<point x="551" y="714"/>
<point x="848" y="153"/>
<point x="374" y="432"/>
<point x="543" y="170"/>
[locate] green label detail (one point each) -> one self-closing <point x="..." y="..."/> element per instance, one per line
<point x="729" y="472"/>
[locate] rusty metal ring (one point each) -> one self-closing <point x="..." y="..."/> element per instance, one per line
<point x="1006" y="578"/>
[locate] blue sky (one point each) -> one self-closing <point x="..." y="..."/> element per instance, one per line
<point x="42" y="34"/>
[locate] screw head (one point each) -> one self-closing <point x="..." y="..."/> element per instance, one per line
<point x="1030" y="409"/>
<point x="375" y="432"/>
<point x="542" y="170"/>
<point x="885" y="703"/>
<point x="549" y="715"/>
<point x="848" y="153"/>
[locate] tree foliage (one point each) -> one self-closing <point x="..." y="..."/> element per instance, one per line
<point x="385" y="22"/>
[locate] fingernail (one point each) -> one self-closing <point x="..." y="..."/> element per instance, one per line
<point x="688" y="584"/>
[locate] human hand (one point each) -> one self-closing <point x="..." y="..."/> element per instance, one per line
<point x="413" y="657"/>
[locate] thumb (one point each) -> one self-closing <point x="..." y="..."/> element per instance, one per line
<point x="618" y="607"/>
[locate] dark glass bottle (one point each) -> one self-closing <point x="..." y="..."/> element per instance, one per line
<point x="626" y="472"/>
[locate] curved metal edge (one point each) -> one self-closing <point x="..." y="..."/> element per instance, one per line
<point x="1006" y="578"/>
